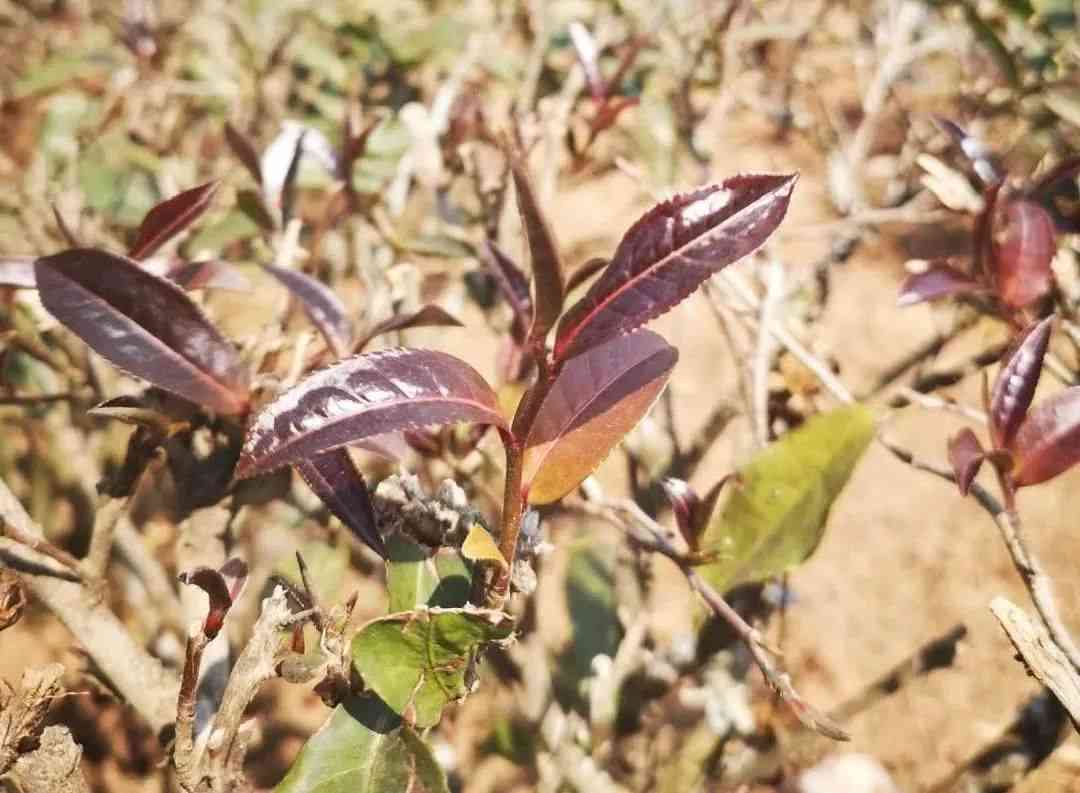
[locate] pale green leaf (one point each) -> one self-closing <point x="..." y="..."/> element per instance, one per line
<point x="417" y="576"/>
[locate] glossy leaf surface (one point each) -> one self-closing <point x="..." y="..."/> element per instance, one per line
<point x="937" y="281"/>
<point x="670" y="251"/>
<point x="549" y="283"/>
<point x="334" y="478"/>
<point x="170" y="217"/>
<point x="1025" y="248"/>
<point x="143" y="324"/>
<point x="966" y="456"/>
<point x="1048" y="442"/>
<point x="370" y="394"/>
<point x="775" y="517"/>
<point x="417" y="661"/>
<point x="364" y="748"/>
<point x="322" y="306"/>
<point x="596" y="399"/>
<point x="429" y="316"/>
<point x="1015" y="385"/>
<point x="17" y="271"/>
<point x="418" y="576"/>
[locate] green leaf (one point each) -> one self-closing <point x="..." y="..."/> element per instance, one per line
<point x="775" y="517"/>
<point x="419" y="661"/>
<point x="364" y="748"/>
<point x="416" y="576"/>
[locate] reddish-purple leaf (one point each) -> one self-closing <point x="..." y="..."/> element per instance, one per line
<point x="244" y="150"/>
<point x="684" y="502"/>
<point x="549" y="284"/>
<point x="17" y="272"/>
<point x="585" y="272"/>
<point x="983" y="233"/>
<point x="981" y="157"/>
<point x="143" y="324"/>
<point x="670" y="252"/>
<point x="218" y="592"/>
<point x="1015" y="385"/>
<point x="937" y="281"/>
<point x="966" y="456"/>
<point x="512" y="283"/>
<point x="235" y="572"/>
<point x="208" y="274"/>
<point x="430" y="316"/>
<point x="362" y="396"/>
<point x="587" y="55"/>
<point x="333" y="477"/>
<point x="1048" y="442"/>
<point x="597" y="398"/>
<point x="1026" y="244"/>
<point x="323" y="307"/>
<point x="170" y="217"/>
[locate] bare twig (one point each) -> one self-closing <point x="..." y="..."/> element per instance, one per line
<point x="766" y="347"/>
<point x="109" y="511"/>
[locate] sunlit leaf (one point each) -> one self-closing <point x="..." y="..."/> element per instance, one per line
<point x="549" y="283"/>
<point x="596" y="399"/>
<point x="364" y="748"/>
<point x="170" y="217"/>
<point x="429" y="316"/>
<point x="1015" y="385"/>
<point x="418" y="576"/>
<point x="588" y="53"/>
<point x="417" y="662"/>
<point x="370" y="394"/>
<point x="17" y="272"/>
<point x="1048" y="442"/>
<point x="937" y="281"/>
<point x="322" y="306"/>
<point x="143" y="324"/>
<point x="670" y="251"/>
<point x="1025" y="248"/>
<point x="775" y="517"/>
<point x="479" y="546"/>
<point x="684" y="502"/>
<point x="966" y="456"/>
<point x="333" y="477"/>
<point x="222" y="587"/>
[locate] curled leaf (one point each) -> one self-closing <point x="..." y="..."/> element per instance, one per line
<point x="170" y="217"/>
<point x="966" y="456"/>
<point x="937" y="281"/>
<point x="670" y="251"/>
<point x="596" y="399"/>
<point x="323" y="307"/>
<point x="220" y="590"/>
<point x="428" y="316"/>
<point x="1048" y="442"/>
<point x="143" y="324"/>
<point x="334" y="478"/>
<point x="1015" y="385"/>
<point x="370" y="394"/>
<point x="1023" y="252"/>
<point x="547" y="270"/>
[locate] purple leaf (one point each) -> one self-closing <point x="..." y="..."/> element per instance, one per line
<point x="430" y="316"/>
<point x="981" y="157"/>
<point x="208" y="274"/>
<point x="1048" y="442"/>
<point x="937" y="281"/>
<point x="1015" y="385"/>
<point x="670" y="252"/>
<point x="512" y="283"/>
<point x="244" y="150"/>
<point x="333" y="477"/>
<point x="983" y="232"/>
<point x="1026" y="246"/>
<point x="362" y="396"/>
<point x="966" y="456"/>
<point x="143" y="324"/>
<point x="549" y="285"/>
<point x="684" y="502"/>
<point x="596" y="399"/>
<point x="18" y="272"/>
<point x="170" y="217"/>
<point x="587" y="54"/>
<point x="235" y="572"/>
<point x="323" y="307"/>
<point x="222" y="587"/>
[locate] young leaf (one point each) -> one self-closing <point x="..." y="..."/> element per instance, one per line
<point x="417" y="577"/>
<point x="417" y="661"/>
<point x="966" y="455"/>
<point x="170" y="217"/>
<point x="937" y="281"/>
<point x="548" y="279"/>
<point x="429" y="316"/>
<point x="370" y="394"/>
<point x="596" y="399"/>
<point x="17" y="272"/>
<point x="143" y="324"/>
<point x="323" y="307"/>
<point x="333" y="477"/>
<point x="512" y="283"/>
<point x="1015" y="385"/>
<point x="776" y="517"/>
<point x="1048" y="442"/>
<point x="684" y="502"/>
<point x="670" y="251"/>
<point x="1023" y="253"/>
<point x="364" y="748"/>
<point x="222" y="587"/>
<point x="244" y="150"/>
